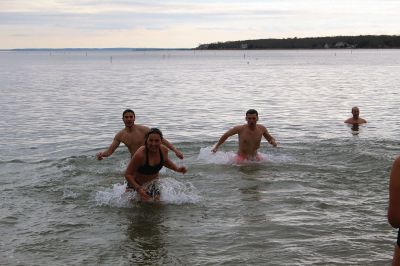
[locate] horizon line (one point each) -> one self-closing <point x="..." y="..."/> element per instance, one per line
<point x="93" y="48"/>
<point x="193" y="48"/>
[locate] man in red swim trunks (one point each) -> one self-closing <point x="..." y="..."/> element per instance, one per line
<point x="250" y="135"/>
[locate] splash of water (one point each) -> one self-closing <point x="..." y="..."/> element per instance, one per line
<point x="175" y="192"/>
<point x="117" y="196"/>
<point x="229" y="157"/>
<point x="221" y="157"/>
<point x="171" y="192"/>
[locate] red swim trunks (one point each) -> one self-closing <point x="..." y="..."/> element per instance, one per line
<point x="242" y="159"/>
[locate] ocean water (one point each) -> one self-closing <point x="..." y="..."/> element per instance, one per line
<point x="319" y="198"/>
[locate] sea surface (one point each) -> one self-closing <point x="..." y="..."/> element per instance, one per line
<point x="319" y="198"/>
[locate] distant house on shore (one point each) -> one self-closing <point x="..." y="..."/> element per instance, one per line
<point x="340" y="45"/>
<point x="343" y="45"/>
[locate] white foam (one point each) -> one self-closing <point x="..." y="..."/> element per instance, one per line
<point x="221" y="157"/>
<point x="69" y="194"/>
<point x="116" y="197"/>
<point x="171" y="192"/>
<point x="229" y="157"/>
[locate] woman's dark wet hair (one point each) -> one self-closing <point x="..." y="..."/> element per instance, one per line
<point x="153" y="131"/>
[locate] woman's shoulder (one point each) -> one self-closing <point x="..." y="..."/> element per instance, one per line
<point x="140" y="152"/>
<point x="163" y="147"/>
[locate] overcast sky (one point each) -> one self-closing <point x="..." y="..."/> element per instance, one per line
<point x="186" y="24"/>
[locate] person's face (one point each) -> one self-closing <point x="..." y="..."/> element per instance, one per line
<point x="154" y="142"/>
<point x="129" y="119"/>
<point x="355" y="112"/>
<point x="251" y="119"/>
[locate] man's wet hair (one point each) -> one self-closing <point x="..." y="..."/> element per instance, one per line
<point x="128" y="111"/>
<point x="252" y="112"/>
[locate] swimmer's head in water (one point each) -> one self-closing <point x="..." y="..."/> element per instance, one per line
<point x="355" y="111"/>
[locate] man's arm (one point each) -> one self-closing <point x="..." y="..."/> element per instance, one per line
<point x="172" y="148"/>
<point x="114" y="145"/>
<point x="269" y="138"/>
<point x="394" y="195"/>
<point x="225" y="136"/>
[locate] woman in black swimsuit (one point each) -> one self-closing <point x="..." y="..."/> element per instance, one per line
<point x="145" y="164"/>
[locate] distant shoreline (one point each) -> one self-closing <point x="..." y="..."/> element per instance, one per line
<point x="336" y="42"/>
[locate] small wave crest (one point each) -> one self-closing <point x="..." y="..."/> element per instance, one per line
<point x="69" y="194"/>
<point x="171" y="192"/>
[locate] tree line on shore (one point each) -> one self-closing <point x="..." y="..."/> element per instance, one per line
<point x="336" y="42"/>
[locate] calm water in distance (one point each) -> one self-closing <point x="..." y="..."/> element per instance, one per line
<point x="320" y="198"/>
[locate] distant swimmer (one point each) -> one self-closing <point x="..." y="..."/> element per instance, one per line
<point x="356" y="119"/>
<point x="250" y="135"/>
<point x="394" y="206"/>
<point x="133" y="137"/>
<point x="142" y="171"/>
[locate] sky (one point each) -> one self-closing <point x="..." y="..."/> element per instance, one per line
<point x="186" y="24"/>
